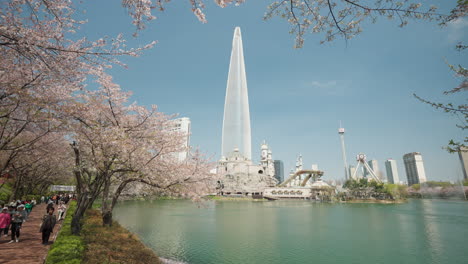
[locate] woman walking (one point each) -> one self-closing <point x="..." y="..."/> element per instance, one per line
<point x="61" y="210"/>
<point x="47" y="226"/>
<point x="5" y="220"/>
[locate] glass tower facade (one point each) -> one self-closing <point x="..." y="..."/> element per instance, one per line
<point x="236" y="122"/>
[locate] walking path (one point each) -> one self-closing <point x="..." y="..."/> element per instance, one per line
<point x="29" y="249"/>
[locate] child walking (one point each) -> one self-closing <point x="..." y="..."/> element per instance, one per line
<point x="47" y="226"/>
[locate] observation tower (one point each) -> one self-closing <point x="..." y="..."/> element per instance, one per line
<point x="341" y="132"/>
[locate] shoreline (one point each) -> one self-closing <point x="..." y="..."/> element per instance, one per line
<point x="397" y="201"/>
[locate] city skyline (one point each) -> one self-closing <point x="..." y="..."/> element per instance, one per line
<point x="298" y="96"/>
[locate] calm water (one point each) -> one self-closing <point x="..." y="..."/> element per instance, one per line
<point x="421" y="231"/>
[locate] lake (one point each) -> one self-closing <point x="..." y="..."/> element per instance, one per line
<point x="420" y="231"/>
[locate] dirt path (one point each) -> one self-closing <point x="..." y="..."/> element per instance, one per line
<point x="29" y="249"/>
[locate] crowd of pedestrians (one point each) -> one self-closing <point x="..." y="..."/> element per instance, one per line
<point x="14" y="214"/>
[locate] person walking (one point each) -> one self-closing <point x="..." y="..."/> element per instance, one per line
<point x="16" y="222"/>
<point x="50" y="205"/>
<point x="61" y="210"/>
<point x="42" y="199"/>
<point x="28" y="207"/>
<point x="11" y="211"/>
<point x="5" y="220"/>
<point x="47" y="226"/>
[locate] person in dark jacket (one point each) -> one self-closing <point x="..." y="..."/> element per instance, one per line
<point x="49" y="205"/>
<point x="17" y="220"/>
<point x="47" y="226"/>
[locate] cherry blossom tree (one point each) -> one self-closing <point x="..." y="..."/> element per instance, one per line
<point x="332" y="18"/>
<point x="120" y="143"/>
<point x="40" y="165"/>
<point x="43" y="69"/>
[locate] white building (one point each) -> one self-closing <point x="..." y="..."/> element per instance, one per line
<point x="414" y="167"/>
<point x="392" y="171"/>
<point x="352" y="170"/>
<point x="182" y="125"/>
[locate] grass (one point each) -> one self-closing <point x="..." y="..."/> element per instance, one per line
<point x="67" y="248"/>
<point x="112" y="244"/>
<point x="98" y="244"/>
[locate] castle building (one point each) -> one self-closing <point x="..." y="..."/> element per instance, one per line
<point x="241" y="176"/>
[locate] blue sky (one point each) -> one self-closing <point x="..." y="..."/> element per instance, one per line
<point x="298" y="96"/>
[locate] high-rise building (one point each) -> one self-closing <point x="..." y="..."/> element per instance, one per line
<point x="352" y="169"/>
<point x="392" y="171"/>
<point x="182" y="125"/>
<point x="236" y="122"/>
<point x="279" y="170"/>
<point x="240" y="174"/>
<point x="463" y="155"/>
<point x="374" y="165"/>
<point x="414" y="167"/>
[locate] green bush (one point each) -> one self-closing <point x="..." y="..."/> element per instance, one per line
<point x="5" y="193"/>
<point x="67" y="248"/>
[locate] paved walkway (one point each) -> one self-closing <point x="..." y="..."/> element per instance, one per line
<point x="29" y="249"/>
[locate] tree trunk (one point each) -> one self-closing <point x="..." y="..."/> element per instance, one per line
<point x="16" y="187"/>
<point x="81" y="207"/>
<point x="106" y="210"/>
<point x="107" y="218"/>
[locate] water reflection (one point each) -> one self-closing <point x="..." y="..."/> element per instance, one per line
<point x="421" y="231"/>
<point x="431" y="230"/>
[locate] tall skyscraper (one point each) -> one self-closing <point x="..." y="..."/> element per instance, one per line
<point x="392" y="171"/>
<point x="463" y="155"/>
<point x="414" y="167"/>
<point x="279" y="170"/>
<point x="236" y="122"/>
<point x="182" y="125"/>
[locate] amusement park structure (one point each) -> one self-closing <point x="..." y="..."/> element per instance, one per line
<point x="314" y="174"/>
<point x="304" y="184"/>
<point x="361" y="161"/>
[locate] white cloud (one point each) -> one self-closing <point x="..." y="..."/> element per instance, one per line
<point x="332" y="87"/>
<point x="323" y="85"/>
<point x="457" y="29"/>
